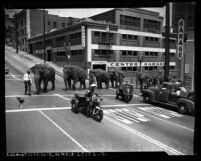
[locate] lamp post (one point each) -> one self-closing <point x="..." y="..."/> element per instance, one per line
<point x="108" y="37"/>
<point x="67" y="48"/>
<point x="44" y="36"/>
<point x="16" y="34"/>
<point x="140" y="59"/>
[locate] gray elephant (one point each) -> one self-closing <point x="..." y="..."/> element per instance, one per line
<point x="45" y="73"/>
<point x="116" y="78"/>
<point x="75" y="73"/>
<point x="101" y="77"/>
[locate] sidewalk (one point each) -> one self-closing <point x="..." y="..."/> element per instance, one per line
<point x="31" y="60"/>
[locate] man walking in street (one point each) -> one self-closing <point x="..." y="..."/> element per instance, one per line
<point x="27" y="82"/>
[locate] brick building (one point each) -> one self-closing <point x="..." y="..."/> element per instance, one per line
<point x="30" y="23"/>
<point x="128" y="39"/>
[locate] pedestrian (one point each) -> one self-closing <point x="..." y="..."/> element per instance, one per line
<point x="92" y="79"/>
<point x="27" y="82"/>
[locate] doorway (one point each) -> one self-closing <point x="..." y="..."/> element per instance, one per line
<point x="99" y="66"/>
<point x="49" y="58"/>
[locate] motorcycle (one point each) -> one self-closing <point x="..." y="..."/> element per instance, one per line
<point x="125" y="91"/>
<point x="89" y="106"/>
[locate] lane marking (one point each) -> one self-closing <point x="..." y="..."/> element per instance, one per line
<point x="15" y="77"/>
<point x="38" y="109"/>
<point x="68" y="135"/>
<point x="62" y="97"/>
<point x="162" y="119"/>
<point x="163" y="146"/>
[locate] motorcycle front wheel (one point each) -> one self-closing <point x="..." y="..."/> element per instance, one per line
<point x="98" y="116"/>
<point x="74" y="107"/>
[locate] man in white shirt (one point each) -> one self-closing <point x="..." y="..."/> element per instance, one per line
<point x="27" y="82"/>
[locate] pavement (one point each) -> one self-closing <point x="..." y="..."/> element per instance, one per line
<point x="32" y="60"/>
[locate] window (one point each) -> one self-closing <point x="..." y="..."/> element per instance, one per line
<point x="96" y="52"/>
<point x="147" y="38"/>
<point x="124" y="36"/>
<point x="123" y="68"/>
<point x="129" y="37"/>
<point x="96" y="34"/>
<point x="63" y="24"/>
<point x="155" y="54"/>
<point x="110" y="35"/>
<point x="129" y="21"/>
<point x="62" y="38"/>
<point x="156" y="39"/>
<point x="54" y="24"/>
<point x="124" y="53"/>
<point x="62" y="53"/>
<point x="146" y="53"/>
<point x="135" y="37"/>
<point x="130" y="53"/>
<point x="134" y="53"/>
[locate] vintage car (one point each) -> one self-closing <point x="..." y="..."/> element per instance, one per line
<point x="165" y="94"/>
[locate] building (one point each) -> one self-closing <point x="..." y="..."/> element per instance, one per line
<point x="128" y="39"/>
<point x="186" y="11"/>
<point x="9" y="30"/>
<point x="30" y="23"/>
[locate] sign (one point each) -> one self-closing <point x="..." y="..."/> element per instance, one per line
<point x="187" y="68"/>
<point x="180" y="46"/>
<point x="83" y="36"/>
<point x="187" y="82"/>
<point x="123" y="64"/>
<point x="134" y="64"/>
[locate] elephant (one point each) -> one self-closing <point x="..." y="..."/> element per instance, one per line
<point x="101" y="77"/>
<point x="75" y="73"/>
<point x="116" y="77"/>
<point x="45" y="73"/>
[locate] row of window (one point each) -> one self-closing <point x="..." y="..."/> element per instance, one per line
<point x="103" y="52"/>
<point x="129" y="20"/>
<point x="75" y="35"/>
<point x="128" y="53"/>
<point x="129" y="37"/>
<point x="76" y="52"/>
<point x="145" y="68"/>
<point x="152" y="24"/>
<point x="103" y="35"/>
<point x="152" y="39"/>
<point x="151" y="54"/>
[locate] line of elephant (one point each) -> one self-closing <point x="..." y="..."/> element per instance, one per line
<point x="72" y="73"/>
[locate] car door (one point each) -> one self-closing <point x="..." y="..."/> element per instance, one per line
<point x="163" y="94"/>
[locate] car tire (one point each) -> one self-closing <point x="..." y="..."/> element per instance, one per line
<point x="146" y="98"/>
<point x="182" y="108"/>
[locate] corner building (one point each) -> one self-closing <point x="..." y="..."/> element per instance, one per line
<point x="128" y="39"/>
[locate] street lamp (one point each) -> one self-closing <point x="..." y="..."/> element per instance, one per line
<point x="67" y="48"/>
<point x="140" y="59"/>
<point x="44" y="36"/>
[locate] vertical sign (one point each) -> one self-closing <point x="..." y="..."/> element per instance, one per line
<point x="83" y="36"/>
<point x="180" y="48"/>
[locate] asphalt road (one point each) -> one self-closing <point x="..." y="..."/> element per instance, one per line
<point x="45" y="122"/>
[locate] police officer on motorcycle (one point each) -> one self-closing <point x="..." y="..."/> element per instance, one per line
<point x="89" y="95"/>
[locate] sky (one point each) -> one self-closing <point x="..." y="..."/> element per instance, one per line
<point x="87" y="12"/>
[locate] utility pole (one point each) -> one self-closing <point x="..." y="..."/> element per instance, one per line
<point x="167" y="44"/>
<point x="44" y="36"/>
<point x="16" y="35"/>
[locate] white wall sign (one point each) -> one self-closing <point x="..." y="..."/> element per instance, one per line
<point x="180" y="46"/>
<point x="134" y="64"/>
<point x="83" y="36"/>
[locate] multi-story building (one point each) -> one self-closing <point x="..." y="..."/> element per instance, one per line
<point x="9" y="29"/>
<point x="128" y="39"/>
<point x="30" y="23"/>
<point x="186" y="11"/>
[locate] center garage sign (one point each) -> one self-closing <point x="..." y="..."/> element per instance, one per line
<point x="134" y="64"/>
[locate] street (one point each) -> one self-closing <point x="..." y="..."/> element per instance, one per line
<point x="45" y="123"/>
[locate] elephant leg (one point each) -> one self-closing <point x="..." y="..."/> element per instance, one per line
<point x="36" y="80"/>
<point x="84" y="84"/>
<point x="74" y="84"/>
<point x="45" y="86"/>
<point x="69" y="83"/>
<point x="65" y="82"/>
<point x="53" y="84"/>
<point x="107" y="84"/>
<point x="39" y="84"/>
<point x="112" y="82"/>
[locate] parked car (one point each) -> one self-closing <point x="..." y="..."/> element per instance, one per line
<point x="6" y="69"/>
<point x="165" y="94"/>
